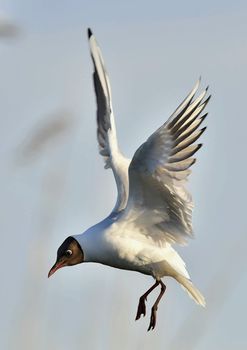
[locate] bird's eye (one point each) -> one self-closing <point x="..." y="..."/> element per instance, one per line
<point x="68" y="252"/>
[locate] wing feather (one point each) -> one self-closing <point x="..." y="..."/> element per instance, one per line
<point x="159" y="168"/>
<point x="184" y="154"/>
<point x="106" y="130"/>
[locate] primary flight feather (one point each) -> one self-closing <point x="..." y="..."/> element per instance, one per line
<point x="153" y="208"/>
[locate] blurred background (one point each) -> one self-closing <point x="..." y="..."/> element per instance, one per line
<point x="53" y="183"/>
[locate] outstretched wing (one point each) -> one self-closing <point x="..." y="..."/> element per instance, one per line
<point x="106" y="131"/>
<point x="158" y="201"/>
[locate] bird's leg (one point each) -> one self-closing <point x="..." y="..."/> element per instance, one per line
<point x="155" y="306"/>
<point x="141" y="310"/>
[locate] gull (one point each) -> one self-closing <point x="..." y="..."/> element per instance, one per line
<point x="153" y="210"/>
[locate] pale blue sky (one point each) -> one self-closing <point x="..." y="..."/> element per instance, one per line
<point x="154" y="52"/>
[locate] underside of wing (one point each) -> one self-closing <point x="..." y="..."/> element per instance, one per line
<point x="106" y="131"/>
<point x="105" y="119"/>
<point x="159" y="169"/>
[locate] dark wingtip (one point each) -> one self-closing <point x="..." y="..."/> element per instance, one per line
<point x="89" y="33"/>
<point x="203" y="117"/>
<point x="193" y="162"/>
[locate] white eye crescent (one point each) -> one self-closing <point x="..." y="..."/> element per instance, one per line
<point x="68" y="252"/>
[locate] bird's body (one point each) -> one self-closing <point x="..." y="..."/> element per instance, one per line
<point x="153" y="208"/>
<point x="117" y="242"/>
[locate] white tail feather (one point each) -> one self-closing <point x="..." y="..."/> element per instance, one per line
<point x="191" y="289"/>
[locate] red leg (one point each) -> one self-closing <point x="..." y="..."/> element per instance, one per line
<point x="155" y="306"/>
<point x="141" y="310"/>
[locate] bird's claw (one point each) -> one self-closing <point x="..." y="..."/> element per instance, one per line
<point x="152" y="319"/>
<point x="141" y="310"/>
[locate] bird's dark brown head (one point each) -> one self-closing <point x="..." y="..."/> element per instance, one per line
<point x="68" y="254"/>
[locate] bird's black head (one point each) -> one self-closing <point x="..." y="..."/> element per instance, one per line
<point x="68" y="254"/>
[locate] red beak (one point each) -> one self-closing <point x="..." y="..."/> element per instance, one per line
<point x="56" y="267"/>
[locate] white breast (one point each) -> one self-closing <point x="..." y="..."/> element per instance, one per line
<point x="114" y="243"/>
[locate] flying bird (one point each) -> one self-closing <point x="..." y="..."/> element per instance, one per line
<point x="153" y="210"/>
